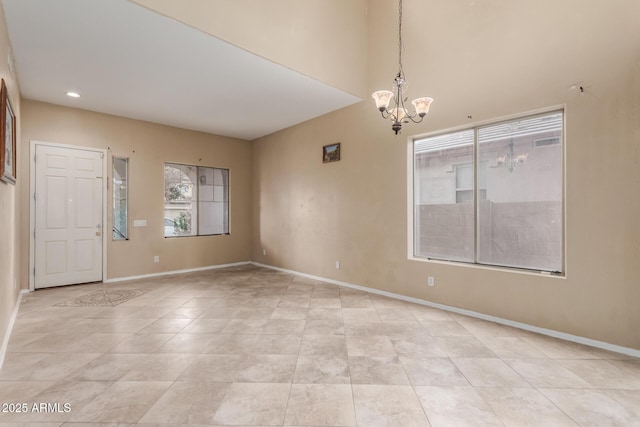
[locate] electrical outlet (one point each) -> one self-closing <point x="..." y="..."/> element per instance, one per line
<point x="156" y="258"/>
<point x="338" y="265"/>
<point x="431" y="281"/>
<point x="264" y="252"/>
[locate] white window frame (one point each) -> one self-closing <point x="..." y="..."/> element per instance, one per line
<point x="411" y="244"/>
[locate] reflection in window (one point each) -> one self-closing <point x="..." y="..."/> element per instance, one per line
<point x="492" y="195"/>
<point x="120" y="197"/>
<point x="196" y="200"/>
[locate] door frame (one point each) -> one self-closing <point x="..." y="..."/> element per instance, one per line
<point x="32" y="204"/>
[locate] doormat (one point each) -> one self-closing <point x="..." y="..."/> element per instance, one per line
<point x="103" y="298"/>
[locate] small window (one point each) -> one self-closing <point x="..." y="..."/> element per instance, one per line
<point x="196" y="200"/>
<point x="120" y="198"/>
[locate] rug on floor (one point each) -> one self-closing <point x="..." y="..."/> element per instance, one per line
<point x="103" y="298"/>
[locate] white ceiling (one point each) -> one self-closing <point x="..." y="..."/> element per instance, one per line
<point x="128" y="61"/>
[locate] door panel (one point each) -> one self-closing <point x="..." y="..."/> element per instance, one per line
<point x="68" y="234"/>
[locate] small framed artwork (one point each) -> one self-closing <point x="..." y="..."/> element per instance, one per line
<point x="331" y="153"/>
<point x="7" y="137"/>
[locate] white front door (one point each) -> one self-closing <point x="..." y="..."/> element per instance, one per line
<point x="68" y="220"/>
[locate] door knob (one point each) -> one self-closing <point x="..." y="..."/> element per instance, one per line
<point x="98" y="233"/>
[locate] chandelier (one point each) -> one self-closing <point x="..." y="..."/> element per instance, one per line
<point x="509" y="160"/>
<point x="397" y="112"/>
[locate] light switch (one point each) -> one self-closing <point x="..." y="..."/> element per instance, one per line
<point x="139" y="222"/>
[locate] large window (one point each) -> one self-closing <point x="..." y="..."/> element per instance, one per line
<point x="492" y="194"/>
<point x="196" y="200"/>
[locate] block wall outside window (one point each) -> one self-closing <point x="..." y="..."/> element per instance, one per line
<point x="492" y="195"/>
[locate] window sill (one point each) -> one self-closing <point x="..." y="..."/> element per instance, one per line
<point x="514" y="270"/>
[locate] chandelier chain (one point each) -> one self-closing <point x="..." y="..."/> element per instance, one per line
<point x="400" y="46"/>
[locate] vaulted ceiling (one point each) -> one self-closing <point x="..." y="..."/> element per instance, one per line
<point x="127" y="60"/>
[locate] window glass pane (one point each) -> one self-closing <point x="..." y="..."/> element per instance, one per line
<point x="213" y="201"/>
<point x="443" y="191"/>
<point x="120" y="197"/>
<point x="180" y="199"/>
<point x="520" y="222"/>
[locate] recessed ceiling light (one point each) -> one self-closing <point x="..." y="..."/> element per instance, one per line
<point x="73" y="94"/>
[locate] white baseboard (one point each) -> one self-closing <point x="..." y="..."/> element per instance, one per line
<point x="549" y="332"/>
<point x="168" y="273"/>
<point x="12" y="321"/>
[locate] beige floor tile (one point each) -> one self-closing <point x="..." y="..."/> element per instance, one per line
<point x="325" y="314"/>
<point x="320" y="405"/>
<point x="368" y="345"/>
<point x="403" y="329"/>
<point x="321" y="369"/>
<point x="188" y="313"/>
<point x="142" y="343"/>
<point x="284" y="327"/>
<point x="254" y="313"/>
<point x="546" y="373"/>
<point x="377" y="370"/>
<point x="602" y="374"/>
<point x="524" y="407"/>
<point x="385" y="302"/>
<point x="483" y="328"/>
<point x="219" y="313"/>
<point x="559" y="349"/>
<point x="325" y="302"/>
<point x="423" y="313"/>
<point x="289" y="313"/>
<point x="160" y="367"/>
<point x="324" y="327"/>
<point x="456" y="406"/>
<point x="355" y="301"/>
<point x="463" y="347"/>
<point x="52" y="367"/>
<point x="186" y="343"/>
<point x="511" y="347"/>
<point x="166" y="326"/>
<point x="231" y="344"/>
<point x="124" y="401"/>
<point x="388" y="405"/>
<point x="245" y="326"/>
<point x="253" y="404"/>
<point x="490" y="373"/>
<point x="277" y="344"/>
<point x="323" y="345"/>
<point x="360" y="315"/>
<point x="363" y="327"/>
<point x="241" y="368"/>
<point x="591" y="407"/>
<point x="395" y="315"/>
<point x="108" y="367"/>
<point x="187" y="403"/>
<point x="433" y="371"/>
<point x="205" y="326"/>
<point x="445" y="328"/>
<point x="418" y="346"/>
<point x="295" y="301"/>
<point x="630" y="399"/>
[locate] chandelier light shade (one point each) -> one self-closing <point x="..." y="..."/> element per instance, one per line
<point x="390" y="103"/>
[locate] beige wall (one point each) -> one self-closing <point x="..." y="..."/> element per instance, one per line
<point x="324" y="39"/>
<point x="9" y="213"/>
<point x="148" y="146"/>
<point x="488" y="60"/>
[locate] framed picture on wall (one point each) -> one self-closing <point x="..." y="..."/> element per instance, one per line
<point x="331" y="153"/>
<point x="7" y="137"/>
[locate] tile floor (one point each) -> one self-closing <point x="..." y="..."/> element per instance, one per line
<point x="248" y="346"/>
